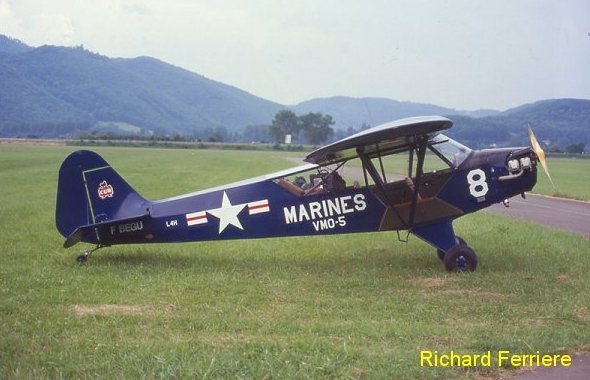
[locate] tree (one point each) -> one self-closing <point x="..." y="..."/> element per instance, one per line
<point x="218" y="134"/>
<point x="316" y="127"/>
<point x="284" y="123"/>
<point x="258" y="133"/>
<point x="215" y="137"/>
<point x="575" y="148"/>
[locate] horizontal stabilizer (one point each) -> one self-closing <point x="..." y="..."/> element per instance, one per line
<point x="126" y="230"/>
<point x="77" y="236"/>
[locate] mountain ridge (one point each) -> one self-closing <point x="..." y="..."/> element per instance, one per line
<point x="53" y="91"/>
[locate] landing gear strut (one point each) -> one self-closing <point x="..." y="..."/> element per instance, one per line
<point x="84" y="256"/>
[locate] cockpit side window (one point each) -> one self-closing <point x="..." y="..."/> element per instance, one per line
<point x="448" y="149"/>
<point x="332" y="179"/>
<point x="398" y="168"/>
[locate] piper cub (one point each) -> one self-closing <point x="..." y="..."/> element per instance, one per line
<point x="352" y="185"/>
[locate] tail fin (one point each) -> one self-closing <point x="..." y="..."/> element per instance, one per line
<point x="89" y="191"/>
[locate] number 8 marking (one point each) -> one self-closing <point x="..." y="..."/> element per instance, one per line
<point x="478" y="187"/>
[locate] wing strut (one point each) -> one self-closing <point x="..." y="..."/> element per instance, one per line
<point x="369" y="167"/>
<point x="411" y="163"/>
<point x="419" y="171"/>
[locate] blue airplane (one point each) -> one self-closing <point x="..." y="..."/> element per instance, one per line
<point x="352" y="185"/>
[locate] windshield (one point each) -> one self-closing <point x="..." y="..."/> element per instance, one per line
<point x="452" y="151"/>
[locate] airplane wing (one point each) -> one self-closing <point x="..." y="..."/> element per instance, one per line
<point x="397" y="135"/>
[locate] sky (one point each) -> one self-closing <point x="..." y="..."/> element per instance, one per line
<point x="459" y="54"/>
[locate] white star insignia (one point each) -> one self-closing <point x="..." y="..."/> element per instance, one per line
<point x="227" y="214"/>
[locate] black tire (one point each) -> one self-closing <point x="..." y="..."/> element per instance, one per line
<point x="441" y="254"/>
<point x="460" y="258"/>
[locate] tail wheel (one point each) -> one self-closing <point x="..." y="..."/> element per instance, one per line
<point x="460" y="258"/>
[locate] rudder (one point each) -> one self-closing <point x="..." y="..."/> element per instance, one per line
<point x="90" y="191"/>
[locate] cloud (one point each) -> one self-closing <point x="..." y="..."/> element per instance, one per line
<point x="135" y="9"/>
<point x="35" y="26"/>
<point x="9" y="24"/>
<point x="56" y="29"/>
<point x="459" y="54"/>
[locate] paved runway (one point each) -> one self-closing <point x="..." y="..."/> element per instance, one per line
<point x="565" y="214"/>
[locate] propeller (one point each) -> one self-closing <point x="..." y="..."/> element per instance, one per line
<point x="540" y="154"/>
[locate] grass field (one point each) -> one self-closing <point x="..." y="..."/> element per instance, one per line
<point x="349" y="306"/>
<point x="571" y="177"/>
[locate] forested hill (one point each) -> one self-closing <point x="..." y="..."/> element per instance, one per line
<point x="53" y="91"/>
<point x="558" y="123"/>
<point x="10" y="45"/>
<point x="354" y="112"/>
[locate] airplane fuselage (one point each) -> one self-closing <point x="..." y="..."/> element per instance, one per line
<point x="96" y="205"/>
<point x="264" y="209"/>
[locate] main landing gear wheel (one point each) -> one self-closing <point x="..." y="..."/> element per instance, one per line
<point x="441" y="254"/>
<point x="460" y="258"/>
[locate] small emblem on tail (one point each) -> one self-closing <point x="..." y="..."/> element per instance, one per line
<point x="105" y="190"/>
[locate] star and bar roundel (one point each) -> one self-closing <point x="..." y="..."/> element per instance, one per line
<point x="227" y="213"/>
